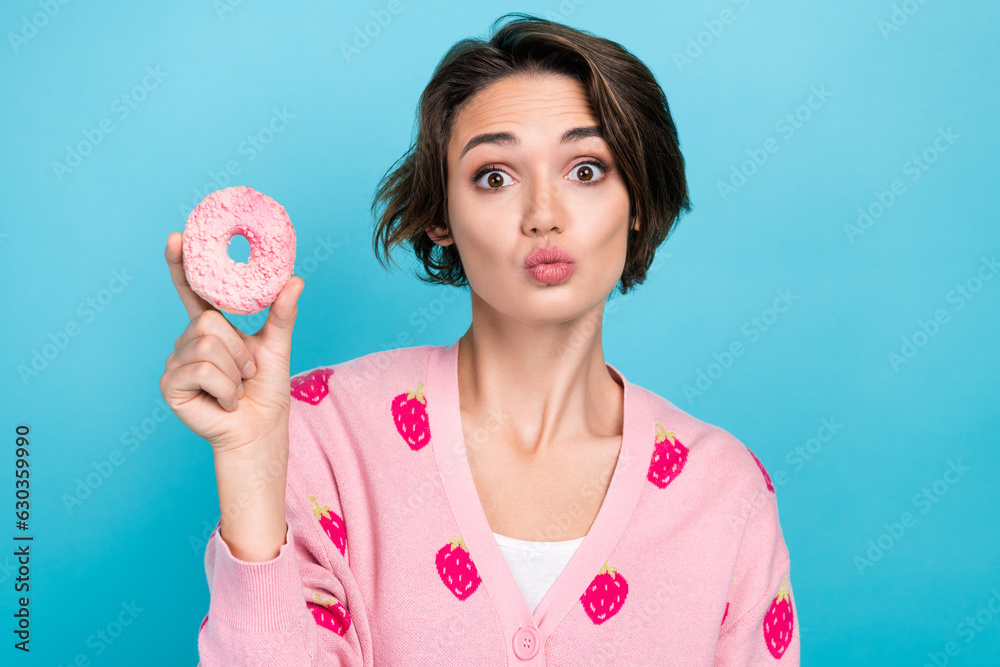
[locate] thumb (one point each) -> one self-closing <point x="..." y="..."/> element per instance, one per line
<point x="277" y="328"/>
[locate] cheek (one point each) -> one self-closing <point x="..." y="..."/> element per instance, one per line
<point x="607" y="228"/>
<point x="483" y="244"/>
<point x="610" y="244"/>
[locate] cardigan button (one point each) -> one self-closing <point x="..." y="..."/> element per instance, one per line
<point x="525" y="643"/>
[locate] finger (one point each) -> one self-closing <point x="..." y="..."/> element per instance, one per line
<point x="190" y="380"/>
<point x="281" y="317"/>
<point x="208" y="348"/>
<point x="194" y="304"/>
<point x="214" y="324"/>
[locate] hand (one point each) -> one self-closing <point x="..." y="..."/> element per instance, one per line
<point x="229" y="387"/>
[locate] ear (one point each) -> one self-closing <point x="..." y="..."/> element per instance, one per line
<point x="635" y="224"/>
<point x="439" y="234"/>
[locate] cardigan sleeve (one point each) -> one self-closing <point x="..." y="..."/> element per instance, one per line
<point x="760" y="624"/>
<point x="290" y="611"/>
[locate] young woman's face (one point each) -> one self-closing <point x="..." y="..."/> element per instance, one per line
<point x="509" y="196"/>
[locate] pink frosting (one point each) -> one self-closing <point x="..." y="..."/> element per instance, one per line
<point x="236" y="287"/>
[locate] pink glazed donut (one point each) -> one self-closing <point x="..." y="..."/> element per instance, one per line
<point x="235" y="287"/>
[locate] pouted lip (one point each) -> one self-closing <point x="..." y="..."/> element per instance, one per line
<point x="549" y="254"/>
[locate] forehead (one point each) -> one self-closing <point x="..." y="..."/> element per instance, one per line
<point x="541" y="105"/>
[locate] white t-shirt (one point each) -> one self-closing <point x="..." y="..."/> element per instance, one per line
<point x="535" y="565"/>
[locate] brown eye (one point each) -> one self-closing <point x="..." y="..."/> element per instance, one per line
<point x="494" y="177"/>
<point x="585" y="171"/>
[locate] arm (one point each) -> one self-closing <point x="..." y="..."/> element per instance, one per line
<point x="760" y="625"/>
<point x="268" y="612"/>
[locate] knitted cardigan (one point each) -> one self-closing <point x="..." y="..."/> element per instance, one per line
<point x="389" y="558"/>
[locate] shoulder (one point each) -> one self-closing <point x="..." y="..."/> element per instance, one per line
<point x="721" y="456"/>
<point x="337" y="405"/>
<point x="321" y="393"/>
<point x="367" y="372"/>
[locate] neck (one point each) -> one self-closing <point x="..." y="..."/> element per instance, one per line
<point x="551" y="384"/>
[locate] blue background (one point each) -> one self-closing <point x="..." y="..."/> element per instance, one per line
<point x="855" y="296"/>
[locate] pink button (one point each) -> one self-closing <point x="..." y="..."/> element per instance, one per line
<point x="525" y="643"/>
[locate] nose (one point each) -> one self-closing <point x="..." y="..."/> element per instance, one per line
<point x="543" y="210"/>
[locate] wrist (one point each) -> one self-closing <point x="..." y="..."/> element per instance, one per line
<point x="259" y="449"/>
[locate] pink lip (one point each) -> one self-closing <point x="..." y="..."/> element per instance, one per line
<point x="549" y="265"/>
<point x="549" y="254"/>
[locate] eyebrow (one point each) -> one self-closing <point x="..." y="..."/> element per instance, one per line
<point x="508" y="139"/>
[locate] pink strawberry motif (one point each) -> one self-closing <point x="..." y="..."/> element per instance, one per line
<point x="456" y="569"/>
<point x="312" y="388"/>
<point x="767" y="478"/>
<point x="330" y="614"/>
<point x="203" y="622"/>
<point x="605" y="595"/>
<point x="669" y="457"/>
<point x="409" y="413"/>
<point x="779" y="621"/>
<point x="726" y="612"/>
<point x="332" y="524"/>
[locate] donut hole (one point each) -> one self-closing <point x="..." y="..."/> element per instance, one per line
<point x="239" y="248"/>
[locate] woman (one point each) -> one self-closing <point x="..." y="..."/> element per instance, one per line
<point x="510" y="498"/>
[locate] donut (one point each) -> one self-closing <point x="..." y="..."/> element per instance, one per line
<point x="237" y="287"/>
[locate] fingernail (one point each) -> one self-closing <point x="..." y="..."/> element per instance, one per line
<point x="249" y="369"/>
<point x="240" y="391"/>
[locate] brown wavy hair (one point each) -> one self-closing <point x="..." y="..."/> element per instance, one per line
<point x="629" y="104"/>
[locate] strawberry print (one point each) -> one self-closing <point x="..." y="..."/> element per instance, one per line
<point x="409" y="413"/>
<point x="726" y="612"/>
<point x="779" y="621"/>
<point x="605" y="595"/>
<point x="312" y="388"/>
<point x="669" y="457"/>
<point x="767" y="478"/>
<point x="333" y="524"/>
<point x="330" y="614"/>
<point x="456" y="569"/>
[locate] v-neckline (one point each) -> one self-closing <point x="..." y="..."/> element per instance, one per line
<point x="448" y="445"/>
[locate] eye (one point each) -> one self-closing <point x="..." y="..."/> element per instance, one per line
<point x="494" y="175"/>
<point x="586" y="172"/>
<point x="494" y="180"/>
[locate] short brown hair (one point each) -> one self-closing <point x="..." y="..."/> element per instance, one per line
<point x="629" y="104"/>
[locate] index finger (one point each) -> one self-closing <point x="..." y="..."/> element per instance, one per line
<point x="194" y="304"/>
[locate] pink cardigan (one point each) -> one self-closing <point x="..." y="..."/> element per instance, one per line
<point x="389" y="559"/>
